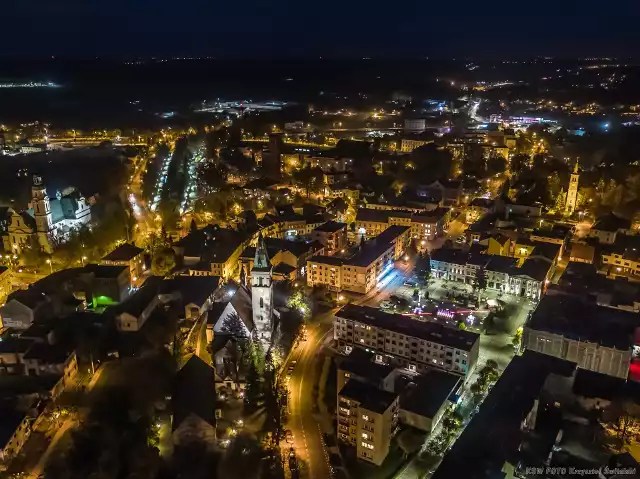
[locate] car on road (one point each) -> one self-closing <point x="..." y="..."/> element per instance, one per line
<point x="288" y="436"/>
<point x="411" y="283"/>
<point x="290" y="370"/>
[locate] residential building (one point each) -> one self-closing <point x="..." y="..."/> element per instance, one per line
<point x="23" y="307"/>
<point x="361" y="272"/>
<point x="212" y="249"/>
<point x="131" y="315"/>
<point x="622" y="259"/>
<point x="597" y="338"/>
<point x="367" y="419"/>
<point x="447" y="192"/>
<point x="194" y="405"/>
<point x="407" y="146"/>
<point x="332" y="235"/>
<point x="195" y="294"/>
<point x="398" y="340"/>
<point x="16" y="429"/>
<point x="107" y="285"/>
<point x="424" y="224"/>
<point x="424" y="398"/>
<point x="128" y="254"/>
<point x="582" y="253"/>
<point x="330" y="163"/>
<point x="607" y="227"/>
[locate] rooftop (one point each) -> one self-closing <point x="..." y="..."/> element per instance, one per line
<point x="124" y="252"/>
<point x="212" y="243"/>
<point x="437" y="333"/>
<point x="194" y="392"/>
<point x="360" y="362"/>
<point x="105" y="271"/>
<point x="192" y="289"/>
<point x="493" y="436"/>
<point x="612" y="223"/>
<point x="330" y="260"/>
<point x="137" y="303"/>
<point x="10" y="419"/>
<point x="369" y="397"/>
<point x="572" y="317"/>
<point x="331" y="227"/>
<point x="426" y="395"/>
<point x="376" y="247"/>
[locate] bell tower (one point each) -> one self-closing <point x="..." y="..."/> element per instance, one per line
<point x="572" y="192"/>
<point x="262" y="293"/>
<point x="42" y="213"/>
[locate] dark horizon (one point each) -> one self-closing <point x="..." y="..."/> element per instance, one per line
<point x="256" y="29"/>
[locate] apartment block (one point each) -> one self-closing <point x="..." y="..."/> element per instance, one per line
<point x="404" y="342"/>
<point x="362" y="271"/>
<point x="367" y="419"/>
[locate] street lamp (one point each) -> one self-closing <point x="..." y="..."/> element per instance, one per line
<point x="50" y="265"/>
<point x="83" y="260"/>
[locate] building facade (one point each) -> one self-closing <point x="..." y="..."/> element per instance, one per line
<point x="415" y="345"/>
<point x="262" y="294"/>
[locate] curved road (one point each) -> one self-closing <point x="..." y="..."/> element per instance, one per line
<point x="305" y="419"/>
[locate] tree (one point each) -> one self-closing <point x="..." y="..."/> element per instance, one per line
<point x="496" y="164"/>
<point x="431" y="162"/>
<point x="310" y="178"/>
<point x="518" y="163"/>
<point x="193" y="227"/>
<point x="211" y="176"/>
<point x="163" y="262"/>
<point x="517" y="338"/>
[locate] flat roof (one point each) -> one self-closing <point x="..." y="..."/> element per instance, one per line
<point x="361" y="362"/>
<point x="426" y="395"/>
<point x="464" y="340"/>
<point x="369" y="397"/>
<point x="493" y="436"/>
<point x="572" y="317"/>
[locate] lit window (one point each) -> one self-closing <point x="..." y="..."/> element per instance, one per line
<point x="365" y="417"/>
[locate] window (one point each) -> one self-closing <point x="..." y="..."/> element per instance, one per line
<point x="261" y="299"/>
<point x="365" y="417"/>
<point x="367" y="445"/>
<point x="365" y="435"/>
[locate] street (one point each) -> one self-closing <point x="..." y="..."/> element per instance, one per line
<point x="306" y="422"/>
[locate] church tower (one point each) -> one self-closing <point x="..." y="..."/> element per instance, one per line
<point x="42" y="213"/>
<point x="262" y="293"/>
<point x="572" y="193"/>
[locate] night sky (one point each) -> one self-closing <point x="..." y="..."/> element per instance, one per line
<point x="272" y="28"/>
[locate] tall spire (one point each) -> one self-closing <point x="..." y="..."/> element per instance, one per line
<point x="261" y="260"/>
<point x="576" y="167"/>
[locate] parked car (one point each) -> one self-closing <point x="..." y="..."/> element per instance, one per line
<point x="411" y="283"/>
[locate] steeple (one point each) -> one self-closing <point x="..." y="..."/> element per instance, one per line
<point x="261" y="261"/>
<point x="576" y="168"/>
